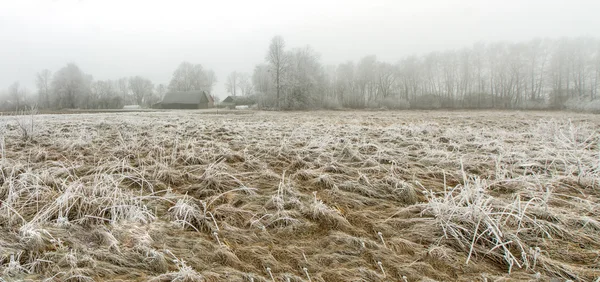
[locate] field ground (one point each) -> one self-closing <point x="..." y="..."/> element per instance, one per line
<point x="313" y="196"/>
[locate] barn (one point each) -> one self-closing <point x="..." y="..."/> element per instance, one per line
<point x="234" y="101"/>
<point x="186" y="100"/>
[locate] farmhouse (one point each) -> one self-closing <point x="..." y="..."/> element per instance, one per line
<point x="233" y="101"/>
<point x="186" y="100"/>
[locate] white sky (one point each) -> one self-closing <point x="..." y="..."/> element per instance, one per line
<point x="111" y="39"/>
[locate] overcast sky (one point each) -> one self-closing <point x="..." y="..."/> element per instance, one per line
<point x="111" y="39"/>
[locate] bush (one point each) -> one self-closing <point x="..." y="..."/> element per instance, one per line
<point x="26" y="122"/>
<point x="536" y="104"/>
<point x="297" y="100"/>
<point x="395" y="103"/>
<point x="331" y="103"/>
<point x="267" y="101"/>
<point x="426" y="102"/>
<point x="585" y="104"/>
<point x="478" y="101"/>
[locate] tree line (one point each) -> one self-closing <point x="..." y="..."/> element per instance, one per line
<point x="538" y="74"/>
<point x="71" y="88"/>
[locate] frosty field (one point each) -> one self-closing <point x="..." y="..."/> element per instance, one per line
<point x="305" y="196"/>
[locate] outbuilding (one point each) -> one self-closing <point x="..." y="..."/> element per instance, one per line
<point x="236" y="101"/>
<point x="186" y="100"/>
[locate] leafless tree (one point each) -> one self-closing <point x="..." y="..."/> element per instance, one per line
<point x="261" y="79"/>
<point x="346" y="89"/>
<point x="43" y="81"/>
<point x="160" y="90"/>
<point x="596" y="63"/>
<point x="244" y="84"/>
<point x="104" y="94"/>
<point x="189" y="77"/>
<point x="123" y="88"/>
<point x="386" y="77"/>
<point x="232" y="83"/>
<point x="70" y="86"/>
<point x="16" y="93"/>
<point x="305" y="79"/>
<point x="211" y="80"/>
<point x="141" y="90"/>
<point x="278" y="63"/>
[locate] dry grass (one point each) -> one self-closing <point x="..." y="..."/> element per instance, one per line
<point x="369" y="196"/>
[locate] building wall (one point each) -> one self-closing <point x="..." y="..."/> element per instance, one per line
<point x="203" y="106"/>
<point x="185" y="106"/>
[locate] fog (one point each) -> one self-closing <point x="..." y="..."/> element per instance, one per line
<point x="113" y="39"/>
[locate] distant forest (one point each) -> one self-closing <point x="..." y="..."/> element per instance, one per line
<point x="538" y="74"/>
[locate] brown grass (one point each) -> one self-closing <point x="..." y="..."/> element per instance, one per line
<point x="326" y="196"/>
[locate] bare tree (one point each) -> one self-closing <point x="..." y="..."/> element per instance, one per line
<point x="188" y="77"/>
<point x="346" y="89"/>
<point x="305" y="78"/>
<point x="95" y="93"/>
<point x="184" y="78"/>
<point x="123" y="86"/>
<point x="278" y="62"/>
<point x="104" y="94"/>
<point x="160" y="90"/>
<point x="244" y="84"/>
<point x="536" y="58"/>
<point x="478" y="62"/>
<point x="232" y="83"/>
<point x="15" y="94"/>
<point x="596" y="62"/>
<point x="261" y="79"/>
<point x="386" y="77"/>
<point x="42" y="81"/>
<point x="141" y="89"/>
<point x="69" y="86"/>
<point x="366" y="80"/>
<point x="517" y="76"/>
<point x="211" y="80"/>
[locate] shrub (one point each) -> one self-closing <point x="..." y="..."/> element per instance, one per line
<point x="26" y="122"/>
<point x="395" y="103"/>
<point x="331" y="103"/>
<point x="478" y="101"/>
<point x="536" y="104"/>
<point x="584" y="104"/>
<point x="426" y="102"/>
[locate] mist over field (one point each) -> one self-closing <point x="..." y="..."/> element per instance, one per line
<point x="299" y="141"/>
<point x="335" y="54"/>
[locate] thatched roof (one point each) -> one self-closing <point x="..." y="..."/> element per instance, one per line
<point x="186" y="97"/>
